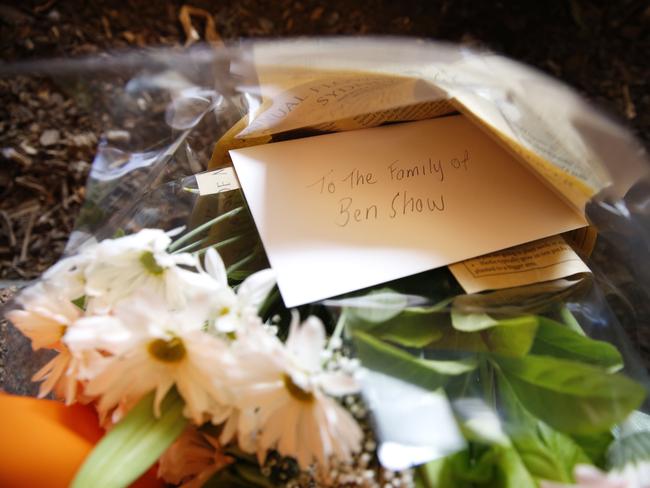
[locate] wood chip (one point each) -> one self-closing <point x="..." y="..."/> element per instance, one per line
<point x="13" y="155"/>
<point x="630" y="109"/>
<point x="191" y="34"/>
<point x="27" y="237"/>
<point x="49" y="137"/>
<point x="8" y="226"/>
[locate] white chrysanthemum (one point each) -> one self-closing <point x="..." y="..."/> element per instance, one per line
<point x="284" y="389"/>
<point x="192" y="459"/>
<point x="67" y="275"/>
<point x="121" y="266"/>
<point x="45" y="316"/>
<point x="234" y="309"/>
<point x="65" y="375"/>
<point x="44" y="320"/>
<point x="153" y="349"/>
<point x="110" y="270"/>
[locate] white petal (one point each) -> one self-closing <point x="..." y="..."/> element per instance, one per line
<point x="338" y="384"/>
<point x="306" y="342"/>
<point x="106" y="332"/>
<point x="254" y="289"/>
<point x="175" y="231"/>
<point x="215" y="267"/>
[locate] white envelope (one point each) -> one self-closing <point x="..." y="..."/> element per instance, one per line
<point x="345" y="211"/>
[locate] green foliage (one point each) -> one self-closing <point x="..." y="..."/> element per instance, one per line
<point x="554" y="339"/>
<point x="477" y="467"/>
<point x="508" y="337"/>
<point x="546" y="453"/>
<point x="571" y="396"/>
<point x="436" y="328"/>
<point x="595" y="446"/>
<point x="380" y="356"/>
<point x="472" y="322"/>
<point x="556" y="389"/>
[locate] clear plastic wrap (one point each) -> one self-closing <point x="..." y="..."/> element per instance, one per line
<point x="451" y="378"/>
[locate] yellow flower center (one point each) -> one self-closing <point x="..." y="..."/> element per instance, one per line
<point x="148" y="260"/>
<point x="224" y="311"/>
<point x="168" y="350"/>
<point x="295" y="391"/>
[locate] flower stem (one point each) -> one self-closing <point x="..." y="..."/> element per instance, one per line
<point x="219" y="244"/>
<point x="134" y="444"/>
<point x="268" y="303"/>
<point x="570" y="321"/>
<point x="241" y="262"/>
<point x="191" y="246"/>
<point x="176" y="244"/>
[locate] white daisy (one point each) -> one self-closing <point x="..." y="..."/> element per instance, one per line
<point x="45" y="316"/>
<point x="65" y="374"/>
<point x="67" y="275"/>
<point x="44" y="320"/>
<point x="152" y="349"/>
<point x="287" y="390"/>
<point x="121" y="266"/>
<point x="234" y="309"/>
<point x="192" y="459"/>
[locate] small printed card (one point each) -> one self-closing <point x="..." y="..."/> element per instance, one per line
<point x="345" y="211"/>
<point x="217" y="181"/>
<point x="543" y="260"/>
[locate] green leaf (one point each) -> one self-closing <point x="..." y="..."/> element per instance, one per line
<point x="555" y="339"/>
<point x="412" y="330"/>
<point x="509" y="337"/>
<point x="528" y="299"/>
<point x="570" y="396"/>
<point x="460" y="470"/>
<point x="379" y="356"/>
<point x="480" y="467"/>
<point x="513" y="472"/>
<point x="471" y="322"/>
<point x="134" y="444"/>
<point x="376" y="307"/>
<point x="547" y="453"/>
<point x="595" y="446"/>
<point x="413" y="327"/>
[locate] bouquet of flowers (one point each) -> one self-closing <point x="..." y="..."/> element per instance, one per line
<point x="197" y="366"/>
<point x="218" y="382"/>
<point x="146" y="332"/>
